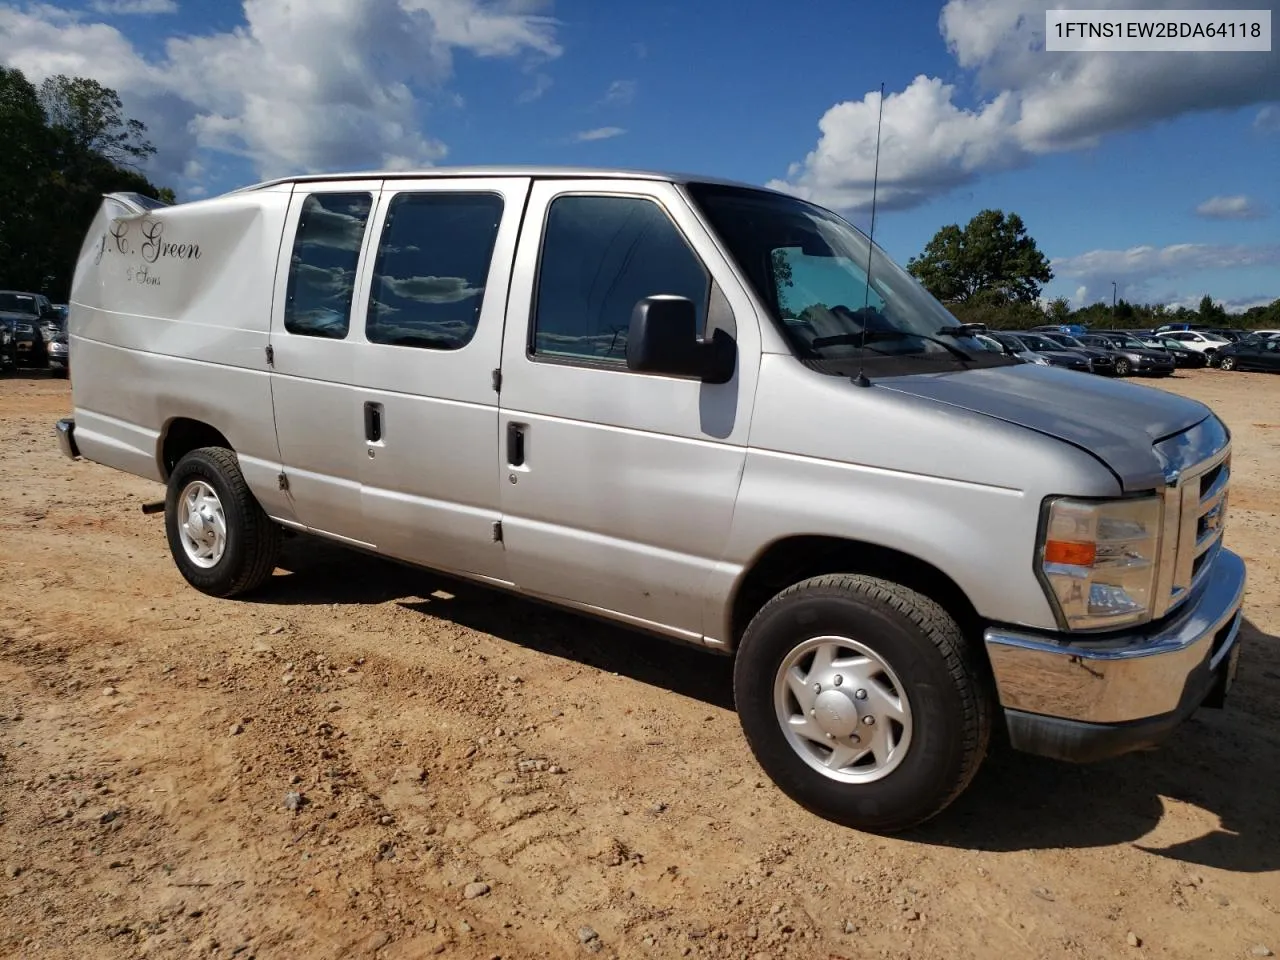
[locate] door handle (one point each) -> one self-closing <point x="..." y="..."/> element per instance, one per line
<point x="515" y="444"/>
<point x="373" y="422"/>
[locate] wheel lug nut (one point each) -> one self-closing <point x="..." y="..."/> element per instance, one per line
<point x="831" y="736"/>
<point x="839" y="680"/>
<point x="855" y="738"/>
<point x="813" y="713"/>
<point x="817" y="688"/>
<point x="869" y="721"/>
<point x="860" y="694"/>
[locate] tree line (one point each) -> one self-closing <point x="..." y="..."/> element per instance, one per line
<point x="67" y="142"/>
<point x="991" y="271"/>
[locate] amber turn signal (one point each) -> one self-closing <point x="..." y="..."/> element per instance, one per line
<point x="1070" y="553"/>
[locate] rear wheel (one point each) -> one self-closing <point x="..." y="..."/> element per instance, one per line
<point x="221" y="540"/>
<point x="862" y="701"/>
<point x="1123" y="367"/>
<point x="1227" y="363"/>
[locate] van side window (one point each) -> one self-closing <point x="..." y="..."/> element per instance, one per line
<point x="322" y="269"/>
<point x="600" y="255"/>
<point x="432" y="266"/>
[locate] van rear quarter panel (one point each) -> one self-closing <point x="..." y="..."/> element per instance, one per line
<point x="169" y="317"/>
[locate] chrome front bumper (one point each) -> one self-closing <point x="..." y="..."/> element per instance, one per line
<point x="1080" y="699"/>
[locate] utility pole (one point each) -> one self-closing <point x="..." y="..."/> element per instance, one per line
<point x="1113" y="294"/>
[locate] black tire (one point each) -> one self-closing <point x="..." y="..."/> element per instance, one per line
<point x="942" y="676"/>
<point x="1227" y="363"/>
<point x="252" y="540"/>
<point x="1123" y="367"/>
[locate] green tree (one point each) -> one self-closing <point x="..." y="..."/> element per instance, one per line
<point x="24" y="163"/>
<point x="991" y="254"/>
<point x="91" y="119"/>
<point x="65" y="146"/>
<point x="1059" y="310"/>
<point x="1212" y="313"/>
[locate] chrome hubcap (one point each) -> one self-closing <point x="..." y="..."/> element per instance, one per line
<point x="202" y="524"/>
<point x="842" y="709"/>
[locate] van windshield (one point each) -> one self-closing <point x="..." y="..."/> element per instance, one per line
<point x="809" y="267"/>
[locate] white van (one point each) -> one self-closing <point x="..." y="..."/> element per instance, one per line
<point x="708" y="410"/>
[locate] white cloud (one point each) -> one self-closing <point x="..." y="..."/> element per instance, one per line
<point x="599" y="133"/>
<point x="1241" y="304"/>
<point x="1238" y="207"/>
<point x="620" y="92"/>
<point x="1030" y="102"/>
<point x="1268" y="119"/>
<point x="120" y="8"/>
<point x="541" y="84"/>
<point x="1136" y="270"/>
<point x="325" y="85"/>
<point x="928" y="145"/>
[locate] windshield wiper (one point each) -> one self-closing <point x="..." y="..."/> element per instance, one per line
<point x="856" y="340"/>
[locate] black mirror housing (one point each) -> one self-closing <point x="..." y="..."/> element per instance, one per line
<point x="663" y="338"/>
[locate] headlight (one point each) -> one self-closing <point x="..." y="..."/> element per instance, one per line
<point x="1099" y="560"/>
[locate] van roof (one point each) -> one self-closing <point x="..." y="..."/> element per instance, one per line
<point x="538" y="172"/>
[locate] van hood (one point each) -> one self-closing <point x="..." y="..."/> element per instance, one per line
<point x="1118" y="423"/>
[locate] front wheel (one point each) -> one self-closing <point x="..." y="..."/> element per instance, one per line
<point x="1123" y="367"/>
<point x="1227" y="363"/>
<point x="222" y="541"/>
<point x="862" y="701"/>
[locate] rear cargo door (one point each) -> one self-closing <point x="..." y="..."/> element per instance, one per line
<point x="318" y="411"/>
<point x="429" y="345"/>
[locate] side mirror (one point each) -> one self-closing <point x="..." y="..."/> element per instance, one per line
<point x="663" y="338"/>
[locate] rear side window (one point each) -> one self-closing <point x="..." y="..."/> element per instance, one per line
<point x="600" y="255"/>
<point x="433" y="263"/>
<point x="322" y="270"/>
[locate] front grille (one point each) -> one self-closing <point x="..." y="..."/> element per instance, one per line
<point x="1195" y="518"/>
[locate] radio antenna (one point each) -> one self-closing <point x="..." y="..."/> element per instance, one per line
<point x="861" y="379"/>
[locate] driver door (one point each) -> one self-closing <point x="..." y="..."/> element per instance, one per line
<point x="618" y="487"/>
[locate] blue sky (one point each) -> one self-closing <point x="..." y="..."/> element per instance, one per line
<point x="1157" y="171"/>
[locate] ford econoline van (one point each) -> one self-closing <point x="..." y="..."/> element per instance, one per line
<point x="708" y="410"/>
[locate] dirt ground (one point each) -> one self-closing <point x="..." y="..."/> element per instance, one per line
<point x="476" y="776"/>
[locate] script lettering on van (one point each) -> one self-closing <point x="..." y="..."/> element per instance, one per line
<point x="148" y="243"/>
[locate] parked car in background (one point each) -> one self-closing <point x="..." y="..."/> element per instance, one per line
<point x="22" y="313"/>
<point x="1132" y="355"/>
<point x="1182" y="357"/>
<point x="57" y="347"/>
<point x="1075" y="329"/>
<point x="1011" y="346"/>
<point x="1262" y="353"/>
<point x="1201" y="342"/>
<point x="1231" y="336"/>
<point x="1055" y="353"/>
<point x="1102" y="359"/>
<point x="8" y="348"/>
<point x="1166" y="327"/>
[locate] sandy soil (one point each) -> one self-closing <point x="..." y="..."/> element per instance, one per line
<point x="593" y="782"/>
